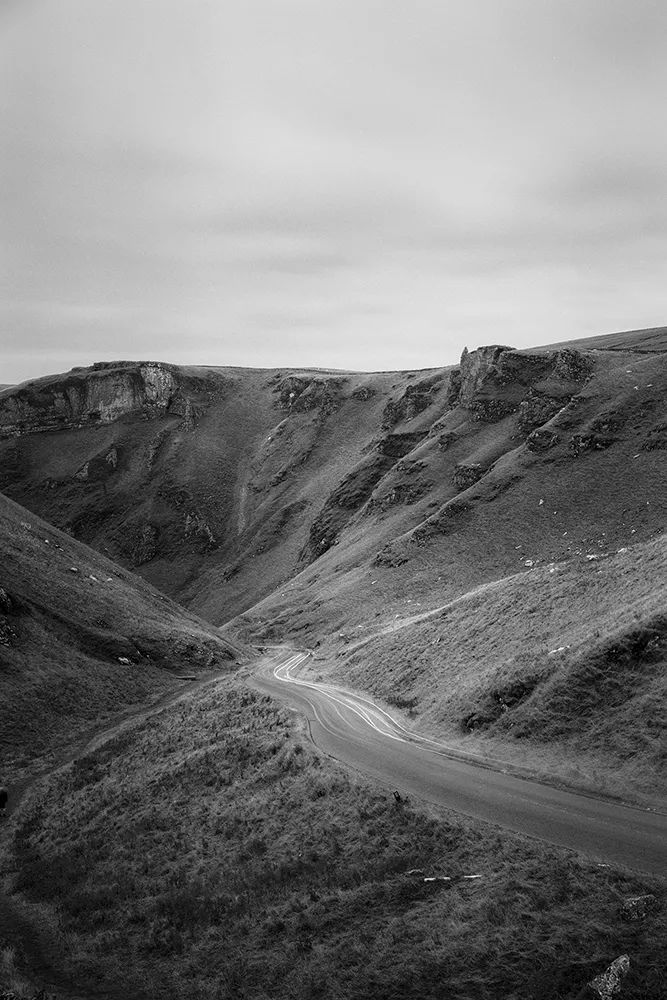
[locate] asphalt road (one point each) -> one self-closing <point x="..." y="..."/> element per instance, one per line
<point x="357" y="732"/>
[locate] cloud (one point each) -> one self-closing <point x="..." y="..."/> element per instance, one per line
<point x="367" y="182"/>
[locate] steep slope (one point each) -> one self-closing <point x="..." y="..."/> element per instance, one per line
<point x="526" y="465"/>
<point x="562" y="667"/>
<point x="318" y="503"/>
<point x="221" y="485"/>
<point x="81" y="640"/>
<point x="207" y="481"/>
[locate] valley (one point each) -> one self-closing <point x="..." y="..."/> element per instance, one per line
<point x="476" y="554"/>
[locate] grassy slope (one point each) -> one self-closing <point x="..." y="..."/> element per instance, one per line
<point x="265" y="474"/>
<point x="212" y="853"/>
<point x="251" y="468"/>
<point x="562" y="667"/>
<point x="531" y="511"/>
<point x="63" y="633"/>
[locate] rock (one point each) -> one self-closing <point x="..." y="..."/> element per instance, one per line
<point x="363" y="393"/>
<point x="92" y="396"/>
<point x="467" y="475"/>
<point x="196" y="527"/>
<point x="124" y="660"/>
<point x="446" y="440"/>
<point x="146" y="547"/>
<point x="415" y="399"/>
<point x="6" y="603"/>
<point x="536" y="410"/>
<point x="638" y="907"/>
<point x="402" y="493"/>
<point x="608" y="983"/>
<point x="300" y="395"/>
<point x="590" y="442"/>
<point x="541" y="439"/>
<point x="497" y="381"/>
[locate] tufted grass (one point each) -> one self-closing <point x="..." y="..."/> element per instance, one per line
<point x="212" y="852"/>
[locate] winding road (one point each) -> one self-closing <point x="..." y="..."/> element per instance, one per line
<point x="356" y="731"/>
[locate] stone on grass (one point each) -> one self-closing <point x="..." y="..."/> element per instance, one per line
<point x="638" y="907"/>
<point x="5" y="601"/>
<point x="608" y="983"/>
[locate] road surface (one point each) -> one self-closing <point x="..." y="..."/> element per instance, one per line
<point x="354" y="730"/>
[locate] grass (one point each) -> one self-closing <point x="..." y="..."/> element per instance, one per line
<point x="212" y="852"/>
<point x="564" y="665"/>
<point x="81" y="641"/>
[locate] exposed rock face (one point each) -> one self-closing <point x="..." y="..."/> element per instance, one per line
<point x="97" y="395"/>
<point x="417" y="397"/>
<point x="196" y="527"/>
<point x="99" y="467"/>
<point x="356" y="488"/>
<point x="146" y="547"/>
<point x="467" y="475"/>
<point x="7" y="634"/>
<point x="497" y="381"/>
<point x="299" y="395"/>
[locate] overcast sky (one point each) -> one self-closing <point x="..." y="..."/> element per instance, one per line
<point x="364" y="184"/>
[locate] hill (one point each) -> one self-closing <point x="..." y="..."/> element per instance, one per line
<point x="482" y="547"/>
<point x="219" y="485"/>
<point x="211" y="852"/>
<point x="82" y="641"/>
<point x="330" y="508"/>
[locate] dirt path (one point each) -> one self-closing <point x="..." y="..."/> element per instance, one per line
<point x="17" y="930"/>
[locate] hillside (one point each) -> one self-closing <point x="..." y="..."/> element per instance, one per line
<point x="82" y="641"/>
<point x="219" y="485"/>
<point x="212" y="852"/>
<point x="331" y="508"/>
<point x="484" y="548"/>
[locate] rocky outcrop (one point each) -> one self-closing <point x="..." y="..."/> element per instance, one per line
<point x="298" y="394"/>
<point x="99" y="467"/>
<point x="7" y="633"/>
<point x="401" y="493"/>
<point x="415" y="399"/>
<point x="146" y="546"/>
<point x="466" y="476"/>
<point x="91" y="396"/>
<point x="541" y="440"/>
<point x="497" y="381"/>
<point x="197" y="528"/>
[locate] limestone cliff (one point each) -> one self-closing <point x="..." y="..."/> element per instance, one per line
<point x="97" y="395"/>
<point x="497" y="381"/>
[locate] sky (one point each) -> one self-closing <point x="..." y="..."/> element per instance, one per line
<point x="358" y="184"/>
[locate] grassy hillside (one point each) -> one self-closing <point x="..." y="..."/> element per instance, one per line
<point x="81" y="640"/>
<point x="331" y="506"/>
<point x="212" y="853"/>
<point x="562" y="667"/>
<point x="235" y="483"/>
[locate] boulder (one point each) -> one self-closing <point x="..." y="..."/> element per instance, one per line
<point x="638" y="907"/>
<point x="608" y="983"/>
